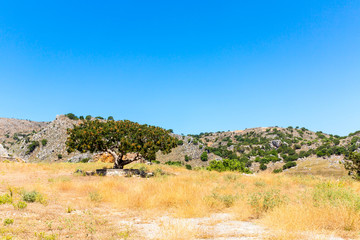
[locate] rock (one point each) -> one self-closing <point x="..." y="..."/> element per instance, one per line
<point x="275" y="143"/>
<point x="3" y="152"/>
<point x="123" y="172"/>
<point x="77" y="158"/>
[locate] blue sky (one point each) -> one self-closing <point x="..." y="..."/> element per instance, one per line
<point x="193" y="66"/>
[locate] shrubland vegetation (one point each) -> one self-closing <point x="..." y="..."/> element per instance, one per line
<point x="82" y="207"/>
<point x="294" y="143"/>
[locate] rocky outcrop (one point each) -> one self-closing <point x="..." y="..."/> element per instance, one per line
<point x="51" y="143"/>
<point x="275" y="143"/>
<point x="3" y="152"/>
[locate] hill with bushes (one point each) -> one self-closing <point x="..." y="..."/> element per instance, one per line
<point x="273" y="149"/>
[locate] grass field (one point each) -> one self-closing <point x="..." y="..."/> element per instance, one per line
<point x="72" y="206"/>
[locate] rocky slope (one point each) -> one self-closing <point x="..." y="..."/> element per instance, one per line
<point x="48" y="142"/>
<point x="259" y="148"/>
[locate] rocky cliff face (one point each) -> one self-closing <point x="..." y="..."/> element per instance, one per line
<point x="49" y="143"/>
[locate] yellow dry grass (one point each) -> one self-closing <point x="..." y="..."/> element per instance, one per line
<point x="83" y="206"/>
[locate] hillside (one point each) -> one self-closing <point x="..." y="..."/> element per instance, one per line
<point x="41" y="141"/>
<point x="263" y="148"/>
<point x="268" y="148"/>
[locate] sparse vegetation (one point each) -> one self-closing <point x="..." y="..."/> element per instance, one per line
<point x="273" y="199"/>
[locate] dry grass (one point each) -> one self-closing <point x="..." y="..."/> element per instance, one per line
<point x="84" y="206"/>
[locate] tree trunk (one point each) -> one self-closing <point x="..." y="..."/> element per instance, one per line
<point x="117" y="159"/>
<point x="119" y="163"/>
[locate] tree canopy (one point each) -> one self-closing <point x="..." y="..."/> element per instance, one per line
<point x="120" y="138"/>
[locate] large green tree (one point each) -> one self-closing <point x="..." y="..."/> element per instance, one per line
<point x="353" y="165"/>
<point x="120" y="138"/>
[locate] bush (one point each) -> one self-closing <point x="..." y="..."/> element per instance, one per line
<point x="278" y="170"/>
<point x="353" y="165"/>
<point x="204" y="157"/>
<point x="188" y="167"/>
<point x="59" y="156"/>
<point x="20" y="205"/>
<point x="228" y="165"/>
<point x="263" y="167"/>
<point x="88" y="117"/>
<point x="289" y="165"/>
<point x="33" y="196"/>
<point x="187" y="158"/>
<point x="72" y="116"/>
<point x="177" y="163"/>
<point x="44" y="142"/>
<point x="8" y="221"/>
<point x="110" y="118"/>
<point x="32" y="146"/>
<point x="6" y="198"/>
<point x="180" y="142"/>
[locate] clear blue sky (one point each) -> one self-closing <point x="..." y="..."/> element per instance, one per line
<point x="192" y="66"/>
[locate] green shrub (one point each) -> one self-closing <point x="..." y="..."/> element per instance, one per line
<point x="59" y="156"/>
<point x="110" y="118"/>
<point x="8" y="221"/>
<point x="88" y="117"/>
<point x="72" y="116"/>
<point x="187" y="158"/>
<point x="278" y="170"/>
<point x="228" y="165"/>
<point x="32" y="146"/>
<point x="204" y="157"/>
<point x="289" y="165"/>
<point x="177" y="163"/>
<point x="188" y="167"/>
<point x="5" y="198"/>
<point x="44" y="142"/>
<point x="263" y="167"/>
<point x="20" y="205"/>
<point x="44" y="236"/>
<point x="33" y="196"/>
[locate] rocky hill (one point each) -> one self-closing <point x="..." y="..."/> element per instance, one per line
<point x="41" y="141"/>
<point x="264" y="148"/>
<point x="268" y="148"/>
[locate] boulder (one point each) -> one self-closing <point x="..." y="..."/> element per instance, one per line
<point x="275" y="143"/>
